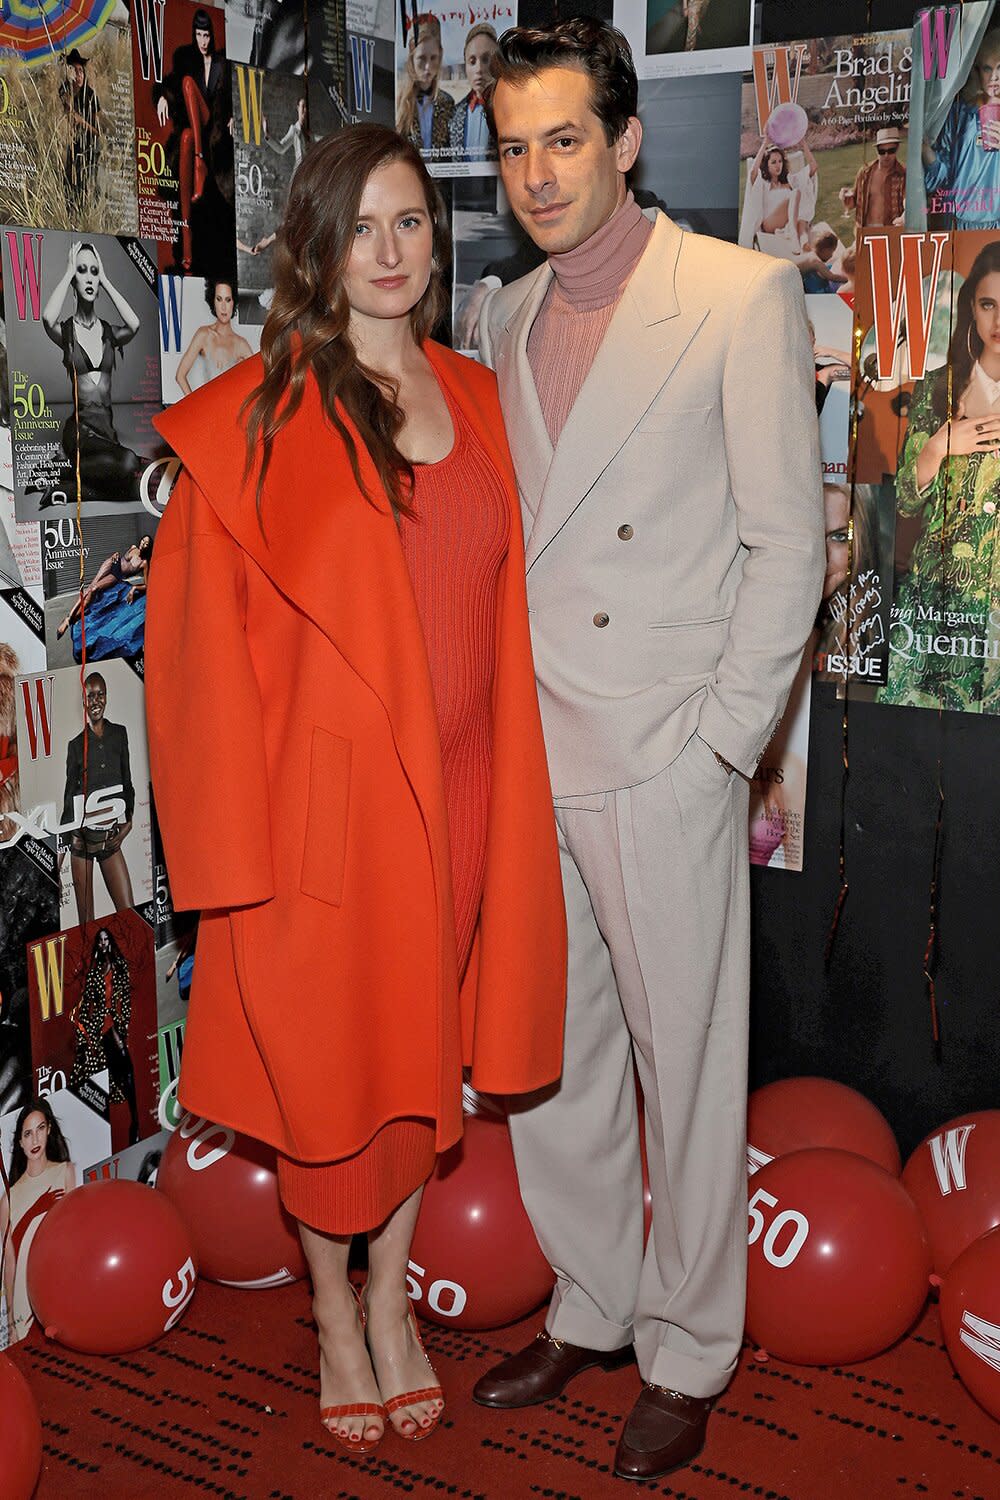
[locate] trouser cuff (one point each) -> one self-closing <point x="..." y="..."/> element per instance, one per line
<point x="679" y="1372"/>
<point x="585" y="1328"/>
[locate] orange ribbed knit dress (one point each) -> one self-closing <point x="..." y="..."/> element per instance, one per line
<point x="454" y="546"/>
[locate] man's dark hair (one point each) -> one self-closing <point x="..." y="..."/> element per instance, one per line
<point x="595" y="48"/>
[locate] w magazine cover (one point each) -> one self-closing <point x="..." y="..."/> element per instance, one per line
<point x="82" y="325"/>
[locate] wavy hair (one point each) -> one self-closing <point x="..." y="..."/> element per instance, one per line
<point x="307" y="327"/>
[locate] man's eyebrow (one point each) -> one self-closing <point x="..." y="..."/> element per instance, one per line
<point x="506" y="140"/>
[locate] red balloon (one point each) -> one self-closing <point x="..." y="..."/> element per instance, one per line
<point x="20" y="1434"/>
<point x="474" y="1261"/>
<point x="839" y="1263"/>
<point x="225" y="1188"/>
<point x="798" y="1112"/>
<point x="954" y="1179"/>
<point x="970" y="1317"/>
<point x="110" y="1268"/>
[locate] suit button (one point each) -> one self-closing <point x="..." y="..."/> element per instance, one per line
<point x="625" y="532"/>
<point x="601" y="619"/>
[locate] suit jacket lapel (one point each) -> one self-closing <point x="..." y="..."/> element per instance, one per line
<point x="530" y="445"/>
<point x="647" y="336"/>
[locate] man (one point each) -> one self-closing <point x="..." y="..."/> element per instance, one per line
<point x="879" y="191"/>
<point x="97" y="759"/>
<point x="658" y="392"/>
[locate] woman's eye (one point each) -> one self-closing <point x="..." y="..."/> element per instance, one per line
<point x="360" y="229"/>
<point x="837" y="536"/>
<point x="410" y="222"/>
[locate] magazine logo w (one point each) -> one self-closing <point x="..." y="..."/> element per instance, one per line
<point x="937" y="31"/>
<point x="168" y="292"/>
<point x="251" y="84"/>
<point x="913" y="296"/>
<point x="948" y="1158"/>
<point x="36" y="697"/>
<point x="49" y="957"/>
<point x="149" y="37"/>
<point x="362" y="67"/>
<point x="982" y="1338"/>
<point x="777" y="84"/>
<point x="26" y="272"/>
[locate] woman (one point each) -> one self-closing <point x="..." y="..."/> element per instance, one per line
<point x="949" y="477"/>
<point x="296" y="137"/>
<point x="216" y="345"/>
<point x="83" y="153"/>
<point x="40" y="1174"/>
<point x="469" y="130"/>
<point x="90" y="347"/>
<point x="97" y="759"/>
<point x="101" y="1018"/>
<point x="424" y="109"/>
<point x="962" y="167"/>
<point x="776" y="197"/>
<point x="197" y="97"/>
<point x="120" y="567"/>
<point x="347" y="756"/>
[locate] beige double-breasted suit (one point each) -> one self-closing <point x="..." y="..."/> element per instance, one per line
<point x="675" y="554"/>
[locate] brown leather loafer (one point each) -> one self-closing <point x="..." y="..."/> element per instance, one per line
<point x="541" y="1371"/>
<point x="665" y="1431"/>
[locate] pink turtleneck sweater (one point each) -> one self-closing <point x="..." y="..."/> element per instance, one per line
<point x="579" y="305"/>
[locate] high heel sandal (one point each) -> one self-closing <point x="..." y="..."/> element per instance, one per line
<point x="355" y="1408"/>
<point x="412" y="1398"/>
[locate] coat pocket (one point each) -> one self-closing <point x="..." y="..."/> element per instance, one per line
<point x="326" y="817"/>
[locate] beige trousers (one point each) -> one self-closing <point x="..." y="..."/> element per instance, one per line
<point x="656" y="879"/>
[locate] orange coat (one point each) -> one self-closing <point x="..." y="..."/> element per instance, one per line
<point x="296" y="769"/>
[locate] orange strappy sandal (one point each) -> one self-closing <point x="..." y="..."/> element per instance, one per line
<point x="410" y="1398"/>
<point x="355" y="1408"/>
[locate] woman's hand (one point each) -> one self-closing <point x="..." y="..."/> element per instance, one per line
<point x="966" y="435"/>
<point x="102" y="278"/>
<point x="162" y="110"/>
<point x="74" y="251"/>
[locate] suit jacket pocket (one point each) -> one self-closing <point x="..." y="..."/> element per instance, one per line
<point x="326" y="817"/>
<point x="691" y="648"/>
<point x="692" y="419"/>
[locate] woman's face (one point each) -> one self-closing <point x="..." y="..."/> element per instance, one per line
<point x="35" y="1136"/>
<point x="102" y="943"/>
<point x="390" y="261"/>
<point x="87" y="277"/>
<point x="988" y="69"/>
<point x="427" y="62"/>
<point x="775" y="163"/>
<point x="222" y="302"/>
<point x="478" y="57"/>
<point x="203" y="41"/>
<point x="986" y="313"/>
<point x="837" y="514"/>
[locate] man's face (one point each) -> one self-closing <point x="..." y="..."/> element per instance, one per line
<point x="96" y="697"/>
<point x="562" y="178"/>
<point x="886" y="156"/>
<point x="79" y="76"/>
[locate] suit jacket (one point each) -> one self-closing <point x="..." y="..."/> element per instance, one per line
<point x="675" y="538"/>
<point x="296" y="765"/>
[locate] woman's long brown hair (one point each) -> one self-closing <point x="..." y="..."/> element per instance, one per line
<point x="307" y="326"/>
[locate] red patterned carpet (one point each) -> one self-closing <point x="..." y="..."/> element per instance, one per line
<point x="225" y="1405"/>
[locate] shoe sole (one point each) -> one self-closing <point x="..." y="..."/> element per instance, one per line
<point x="660" y="1473"/>
<point x="621" y="1357"/>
